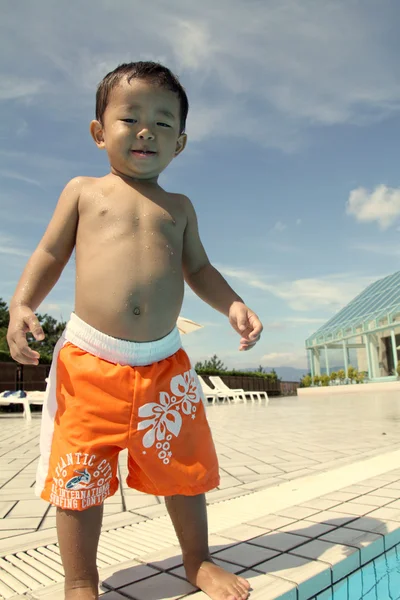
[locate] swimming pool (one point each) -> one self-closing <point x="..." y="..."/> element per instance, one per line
<point x="378" y="580"/>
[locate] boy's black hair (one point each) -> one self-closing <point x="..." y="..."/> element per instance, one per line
<point x="150" y="71"/>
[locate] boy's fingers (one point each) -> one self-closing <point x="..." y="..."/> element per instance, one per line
<point x="35" y="328"/>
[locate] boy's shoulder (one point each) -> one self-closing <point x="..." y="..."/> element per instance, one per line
<point x="82" y="181"/>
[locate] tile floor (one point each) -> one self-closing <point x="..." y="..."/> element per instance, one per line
<point x="259" y="447"/>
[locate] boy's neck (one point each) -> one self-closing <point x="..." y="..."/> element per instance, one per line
<point x="131" y="179"/>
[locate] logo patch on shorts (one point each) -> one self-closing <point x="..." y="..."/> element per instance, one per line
<point x="80" y="481"/>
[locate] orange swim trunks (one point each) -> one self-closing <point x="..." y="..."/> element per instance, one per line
<point x="105" y="395"/>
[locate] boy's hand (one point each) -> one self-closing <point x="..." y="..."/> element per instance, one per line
<point x="22" y="321"/>
<point x="246" y="323"/>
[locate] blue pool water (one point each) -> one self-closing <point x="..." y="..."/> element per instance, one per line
<point x="379" y="580"/>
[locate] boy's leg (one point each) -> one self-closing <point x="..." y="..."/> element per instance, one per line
<point x="189" y="517"/>
<point x="78" y="536"/>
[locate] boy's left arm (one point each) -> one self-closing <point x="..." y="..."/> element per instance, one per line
<point x="210" y="286"/>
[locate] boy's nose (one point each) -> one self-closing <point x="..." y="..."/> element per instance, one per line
<point x="145" y="134"/>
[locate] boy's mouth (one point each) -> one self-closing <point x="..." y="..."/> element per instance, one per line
<point x="144" y="153"/>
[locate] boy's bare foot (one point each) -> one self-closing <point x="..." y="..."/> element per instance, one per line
<point x="217" y="583"/>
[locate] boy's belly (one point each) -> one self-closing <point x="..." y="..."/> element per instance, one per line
<point x="139" y="303"/>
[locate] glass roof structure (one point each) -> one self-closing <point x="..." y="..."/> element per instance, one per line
<point x="374" y="309"/>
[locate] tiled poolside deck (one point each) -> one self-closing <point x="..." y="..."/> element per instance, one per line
<point x="324" y="445"/>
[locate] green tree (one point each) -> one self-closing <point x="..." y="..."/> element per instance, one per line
<point x="317" y="379"/>
<point x="214" y="364"/>
<point x="351" y="373"/>
<point x="341" y="375"/>
<point x="306" y="381"/>
<point x="325" y="379"/>
<point x="333" y="376"/>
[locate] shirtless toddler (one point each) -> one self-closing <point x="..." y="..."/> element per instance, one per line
<point x="120" y="378"/>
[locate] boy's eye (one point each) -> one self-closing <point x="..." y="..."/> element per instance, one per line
<point x="164" y="124"/>
<point x="128" y="120"/>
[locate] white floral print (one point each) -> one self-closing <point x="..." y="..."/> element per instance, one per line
<point x="163" y="419"/>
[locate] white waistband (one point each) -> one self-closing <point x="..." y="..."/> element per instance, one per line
<point x="118" y="351"/>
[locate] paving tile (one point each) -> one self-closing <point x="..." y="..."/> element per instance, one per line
<point x="309" y="575"/>
<point x="297" y="512"/>
<point x="332" y="518"/>
<point x="394" y="485"/>
<point x="279" y="541"/>
<point x="388" y="492"/>
<point x="308" y="529"/>
<point x="373" y="500"/>
<point x="166" y="559"/>
<point x="370" y="544"/>
<point x="320" y="504"/>
<point x="246" y="555"/>
<point x="27" y="523"/>
<point x="5" y="508"/>
<point x="384" y="527"/>
<point x="393" y="514"/>
<point x="243" y="533"/>
<point x="342" y="559"/>
<point x="162" y="586"/>
<point x="340" y="496"/>
<point x="359" y="489"/>
<point x="128" y="575"/>
<point x="271" y="522"/>
<point x="28" y="508"/>
<point x="353" y="508"/>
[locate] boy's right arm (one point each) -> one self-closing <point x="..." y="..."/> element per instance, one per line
<point x="42" y="272"/>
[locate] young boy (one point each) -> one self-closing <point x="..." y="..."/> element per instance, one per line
<point x="120" y="378"/>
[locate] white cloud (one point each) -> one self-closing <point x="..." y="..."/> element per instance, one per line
<point x="10" y="247"/>
<point x="329" y="293"/>
<point x="300" y="64"/>
<point x="293" y="322"/>
<point x="279" y="226"/>
<point x="9" y="174"/>
<point x="12" y="88"/>
<point x="296" y="359"/>
<point x="388" y="249"/>
<point x="382" y="205"/>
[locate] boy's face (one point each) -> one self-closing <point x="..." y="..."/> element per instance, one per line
<point x="140" y="129"/>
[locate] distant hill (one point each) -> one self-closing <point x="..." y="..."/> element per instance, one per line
<point x="286" y="373"/>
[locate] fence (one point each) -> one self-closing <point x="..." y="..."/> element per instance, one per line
<point x="23" y="377"/>
<point x="29" y="377"/>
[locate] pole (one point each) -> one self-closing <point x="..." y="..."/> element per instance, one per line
<point x="394" y="349"/>
<point x="346" y="362"/>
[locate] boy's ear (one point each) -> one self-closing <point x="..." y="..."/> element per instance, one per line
<point x="181" y="144"/>
<point x="97" y="133"/>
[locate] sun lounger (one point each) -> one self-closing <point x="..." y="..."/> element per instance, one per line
<point x="211" y="394"/>
<point x="220" y="386"/>
<point x="16" y="397"/>
<point x="237" y="395"/>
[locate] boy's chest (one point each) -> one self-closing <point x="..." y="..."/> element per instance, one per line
<point x="125" y="216"/>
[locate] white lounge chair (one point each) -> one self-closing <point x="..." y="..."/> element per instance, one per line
<point x="211" y="394"/>
<point x="237" y="395"/>
<point x="9" y="397"/>
<point x="222" y="387"/>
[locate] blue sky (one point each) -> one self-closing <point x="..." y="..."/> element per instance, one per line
<point x="292" y="161"/>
